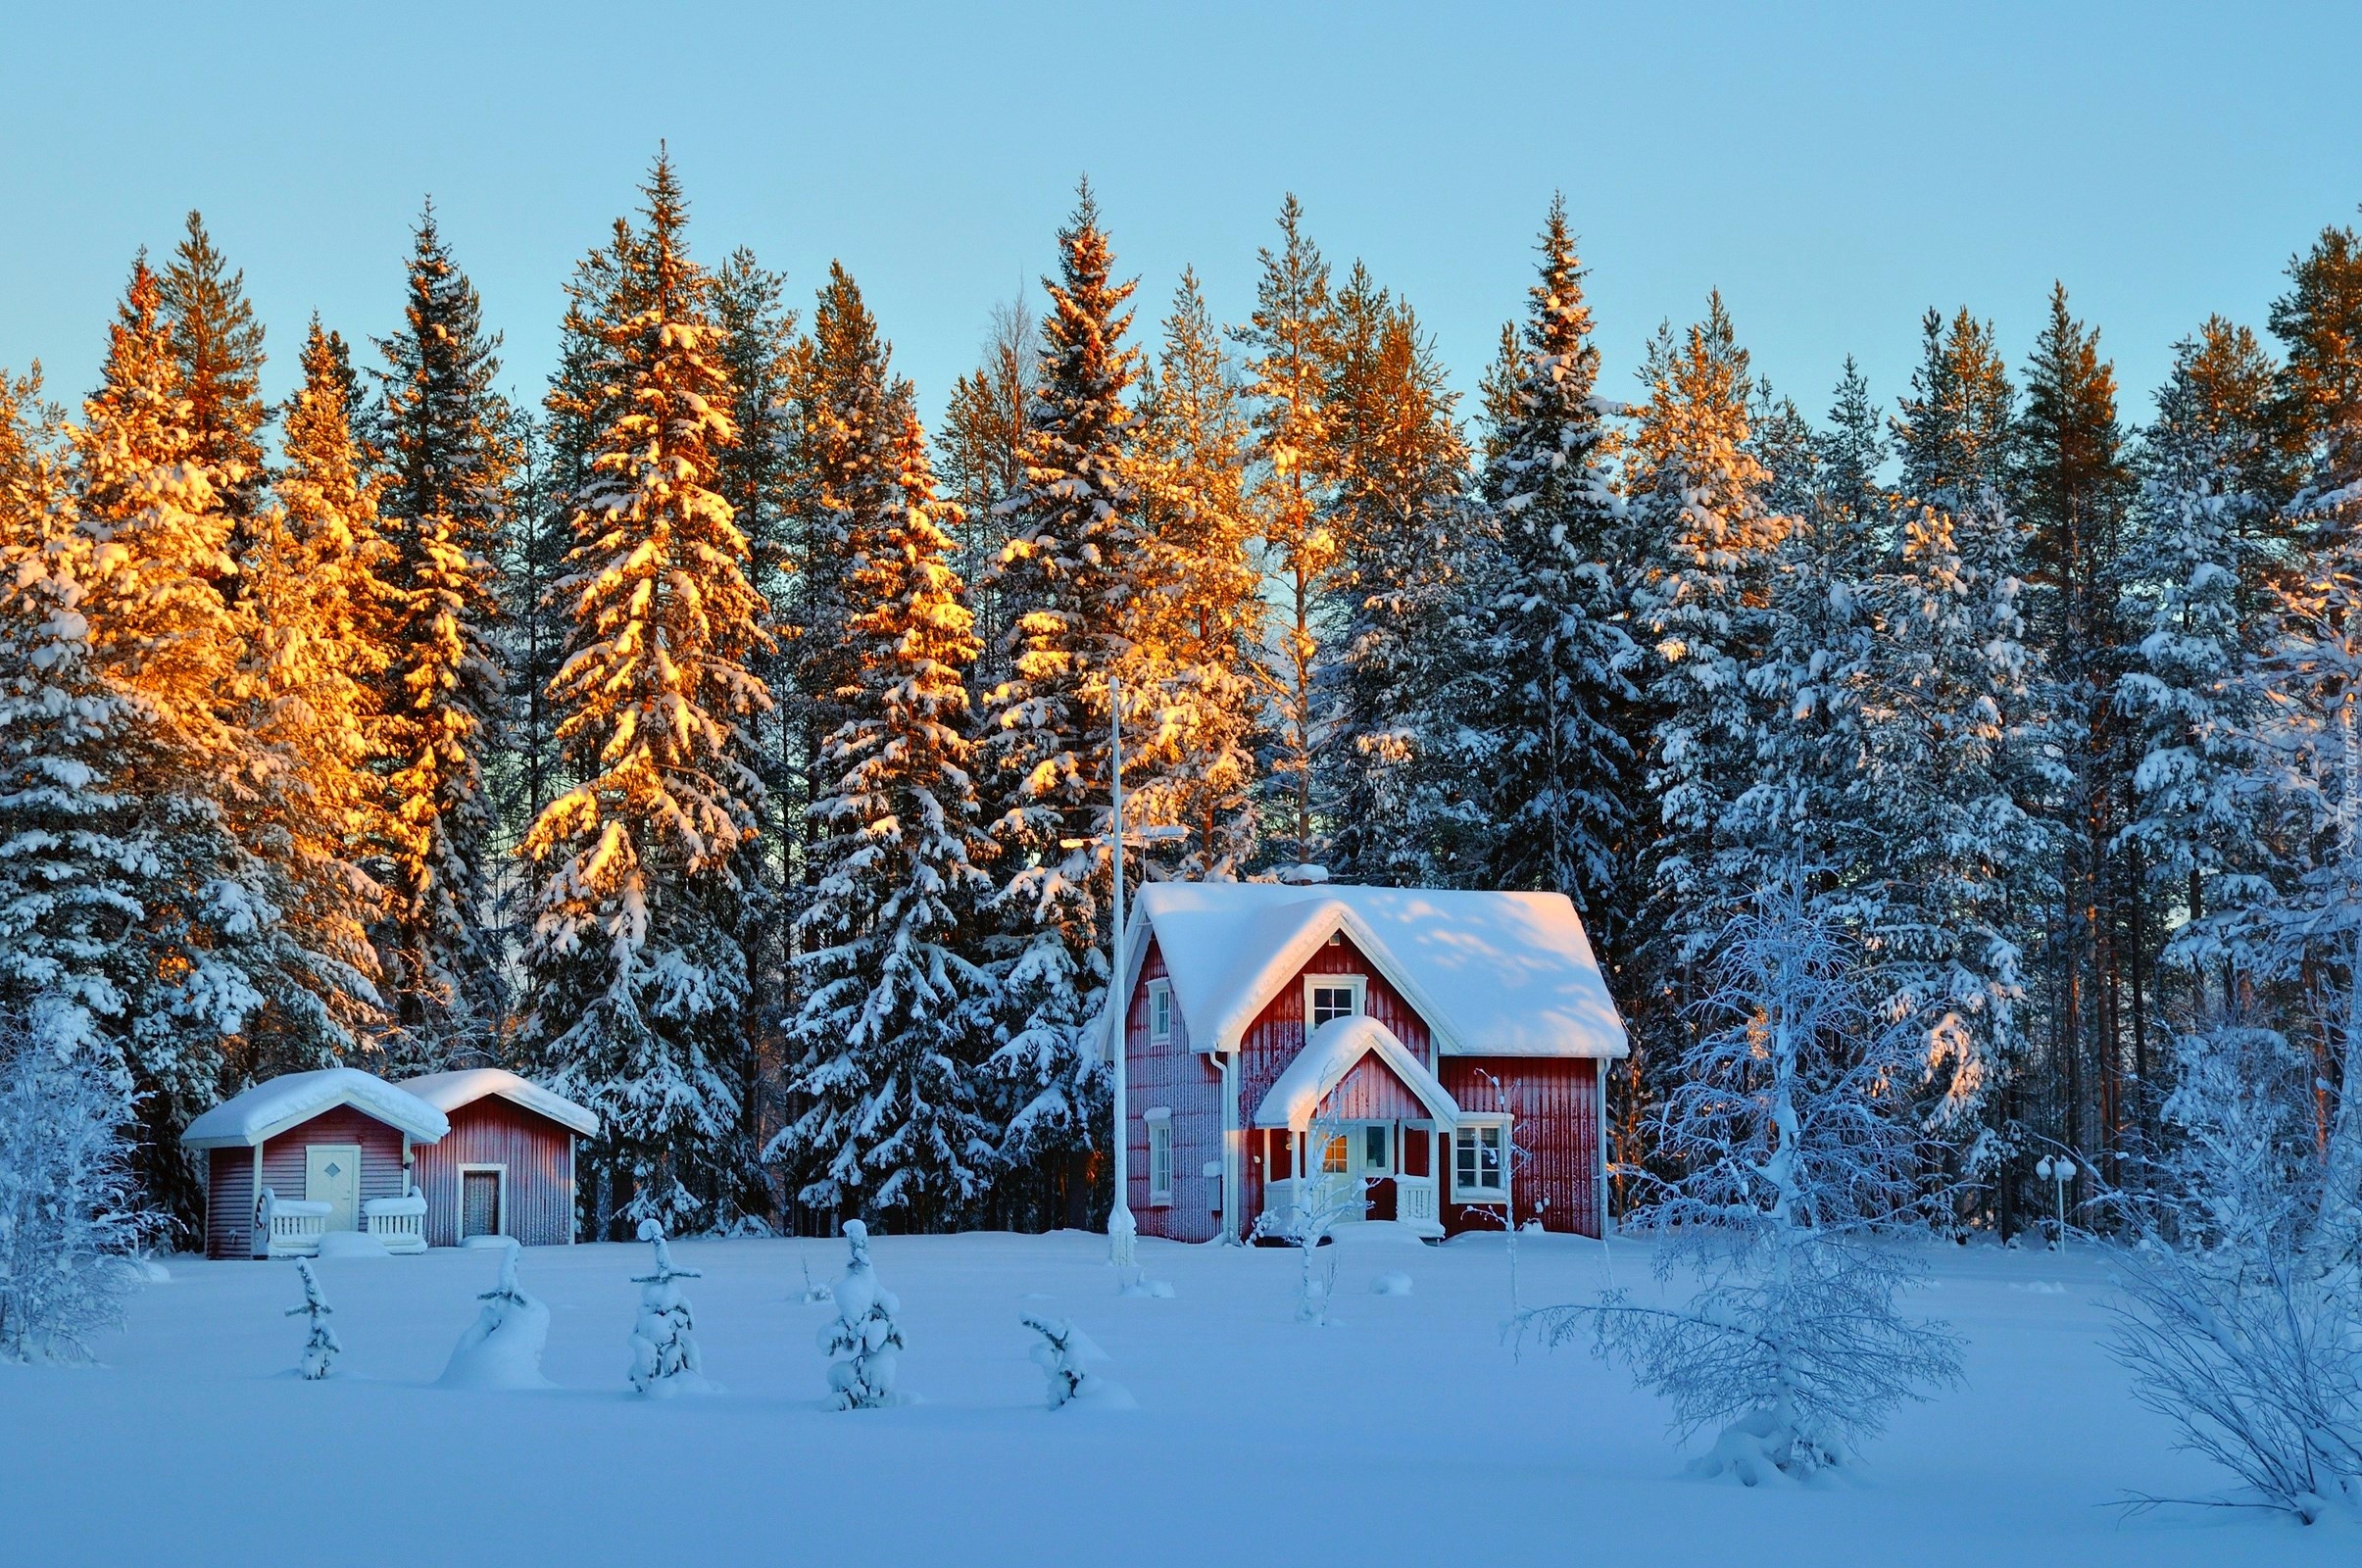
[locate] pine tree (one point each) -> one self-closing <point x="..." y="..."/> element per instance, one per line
<point x="1073" y="561"/>
<point x="1290" y="343"/>
<point x="447" y="452"/>
<point x="1557" y="661"/>
<point x="639" y="981"/>
<point x="892" y="1008"/>
<point x="2317" y="405"/>
<point x="1194" y="671"/>
<point x="1390" y="770"/>
<point x="2072" y="487"/>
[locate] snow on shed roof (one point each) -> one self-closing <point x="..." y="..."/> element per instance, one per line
<point x="447" y="1092"/>
<point x="1294" y="1098"/>
<point x="1508" y="974"/>
<point x="276" y="1104"/>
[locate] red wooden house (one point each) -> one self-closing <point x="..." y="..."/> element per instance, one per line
<point x="1443" y="1051"/>
<point x="296" y="1162"/>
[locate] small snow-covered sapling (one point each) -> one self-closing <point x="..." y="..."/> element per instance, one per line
<point x="1060" y="1355"/>
<point x="323" y="1347"/>
<point x="861" y="1341"/>
<point x="663" y="1353"/>
<point x="502" y="1348"/>
<point x="813" y="1289"/>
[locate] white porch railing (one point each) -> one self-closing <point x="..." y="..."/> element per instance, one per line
<point x="398" y="1222"/>
<point x="1416" y="1204"/>
<point x="291" y="1226"/>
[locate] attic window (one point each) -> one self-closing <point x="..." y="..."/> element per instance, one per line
<point x="1160" y="1011"/>
<point x="1331" y="995"/>
<point x="1336" y="938"/>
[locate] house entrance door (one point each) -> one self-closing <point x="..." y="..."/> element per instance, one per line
<point x="332" y="1176"/>
<point x="1375" y="1162"/>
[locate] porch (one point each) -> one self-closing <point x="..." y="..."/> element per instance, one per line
<point x="1358" y="1172"/>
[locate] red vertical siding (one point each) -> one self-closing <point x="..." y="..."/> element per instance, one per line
<point x="1372" y="1092"/>
<point x="230" y="1202"/>
<point x="539" y="1196"/>
<point x="1187" y="1083"/>
<point x="1278" y="1034"/>
<point x="380" y="1152"/>
<point x="1553" y="1105"/>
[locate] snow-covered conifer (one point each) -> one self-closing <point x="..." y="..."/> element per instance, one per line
<point x="640" y="982"/>
<point x="218" y="346"/>
<point x="1557" y="662"/>
<point x="1064" y="1356"/>
<point x="894" y="1010"/>
<point x="1392" y="771"/>
<point x="1795" y="1163"/>
<point x="69" y="1218"/>
<point x="447" y="452"/>
<point x="663" y="1348"/>
<point x="1072" y="564"/>
<point x="1290" y="346"/>
<point x="981" y="459"/>
<point x="321" y="1346"/>
<point x="1195" y="676"/>
<point x="863" y="1341"/>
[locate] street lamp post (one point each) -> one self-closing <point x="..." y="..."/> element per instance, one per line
<point x="1122" y="1230"/>
<point x="2059" y="1172"/>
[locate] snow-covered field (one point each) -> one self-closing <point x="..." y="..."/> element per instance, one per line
<point x="1405" y="1431"/>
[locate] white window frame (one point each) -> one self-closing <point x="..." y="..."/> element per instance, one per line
<point x="1161" y="1129"/>
<point x="1480" y="1195"/>
<point x="1160" y="1030"/>
<point x="1359" y="983"/>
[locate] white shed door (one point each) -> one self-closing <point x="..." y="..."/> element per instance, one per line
<point x="332" y="1176"/>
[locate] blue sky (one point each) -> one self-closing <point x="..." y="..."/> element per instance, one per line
<point x="1833" y="169"/>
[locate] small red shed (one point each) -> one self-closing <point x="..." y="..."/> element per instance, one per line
<point x="507" y="1166"/>
<point x="335" y="1141"/>
<point x="1441" y="1050"/>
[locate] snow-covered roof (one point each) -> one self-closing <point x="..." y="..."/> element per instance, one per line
<point x="1506" y="974"/>
<point x="276" y="1104"/>
<point x="1294" y="1098"/>
<point x="447" y="1092"/>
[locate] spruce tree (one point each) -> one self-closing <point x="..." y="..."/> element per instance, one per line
<point x="447" y="453"/>
<point x="1290" y="344"/>
<point x="980" y="450"/>
<point x="1555" y="660"/>
<point x="1071" y="561"/>
<point x="218" y="345"/>
<point x="639" y="981"/>
<point x="1196" y="668"/>
<point x="1392" y="774"/>
<point x="197" y="948"/>
<point x="893" y="1009"/>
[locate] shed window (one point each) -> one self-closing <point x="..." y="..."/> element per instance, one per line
<point x="1161" y="1158"/>
<point x="1480" y="1171"/>
<point x="1160" y="1011"/>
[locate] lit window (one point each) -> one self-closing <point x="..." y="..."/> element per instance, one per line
<point x="1161" y="1159"/>
<point x="1335" y="1153"/>
<point x="1334" y="1002"/>
<point x="1160" y="1011"/>
<point x="1479" y="1163"/>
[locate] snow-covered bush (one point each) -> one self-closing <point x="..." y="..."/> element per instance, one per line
<point x="322" y="1346"/>
<point x="70" y="1223"/>
<point x="2232" y="1327"/>
<point x="664" y="1353"/>
<point x="502" y="1347"/>
<point x="862" y="1342"/>
<point x="1796" y="1156"/>
<point x="1061" y="1355"/>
